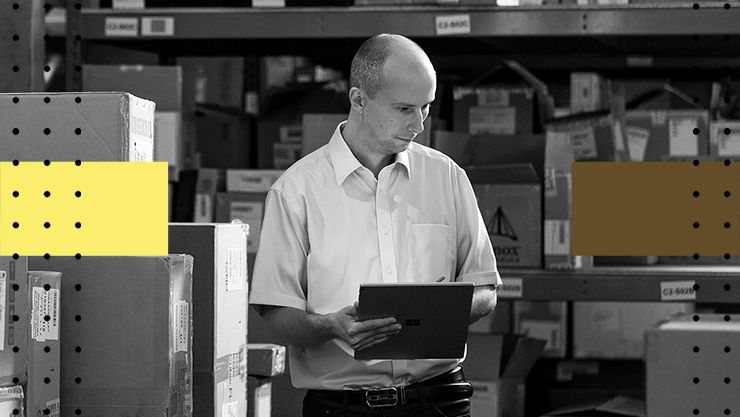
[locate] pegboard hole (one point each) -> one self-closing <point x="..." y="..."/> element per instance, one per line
<point x="16" y="38"/>
<point x="16" y="380"/>
<point x="696" y="317"/>
<point x="47" y="349"/>
<point x="727" y="225"/>
<point x="47" y="100"/>
<point x="47" y="68"/>
<point x="727" y="194"/>
<point x="47" y="6"/>
<point x="16" y="318"/>
<point x="47" y="287"/>
<point x="78" y="318"/>
<point x="78" y="411"/>
<point x="696" y="380"/>
<point x="47" y="380"/>
<point x="727" y="411"/>
<point x="15" y="256"/>
<point x="696" y="411"/>
<point x="696" y="194"/>
<point x="696" y="287"/>
<point x="727" y="6"/>
<point x="696" y="349"/>
<point x="16" y="6"/>
<point x="47" y="225"/>
<point x="696" y="131"/>
<point x="728" y="287"/>
<point x="78" y="225"/>
<point x="47" y="411"/>
<point x="727" y="131"/>
<point x="16" y="349"/>
<point x="47" y="132"/>
<point x="78" y="349"/>
<point x="78" y="6"/>
<point x="78" y="380"/>
<point x="696" y="225"/>
<point x="16" y="68"/>
<point x="78" y="194"/>
<point x="16" y="194"/>
<point x="78" y="38"/>
<point x="16" y="100"/>
<point x="16" y="287"/>
<point x="78" y="68"/>
<point x="16" y="131"/>
<point x="16" y="411"/>
<point x="727" y="349"/>
<point x="47" y="194"/>
<point x="47" y="162"/>
<point x="727" y="380"/>
<point x="78" y="287"/>
<point x="696" y="162"/>
<point x="78" y="131"/>
<point x="47" y="256"/>
<point x="727" y="37"/>
<point x="727" y="317"/>
<point x="78" y="256"/>
<point x="78" y="162"/>
<point x="47" y="318"/>
<point x="15" y="164"/>
<point x="696" y="6"/>
<point x="47" y="38"/>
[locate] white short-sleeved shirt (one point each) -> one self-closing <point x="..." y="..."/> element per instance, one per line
<point x="329" y="225"/>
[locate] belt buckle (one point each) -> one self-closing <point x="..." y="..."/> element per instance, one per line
<point x="381" y="397"/>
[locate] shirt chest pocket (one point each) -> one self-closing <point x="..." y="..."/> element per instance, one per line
<point x="432" y="252"/>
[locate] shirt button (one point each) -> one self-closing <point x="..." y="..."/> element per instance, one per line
<point x="389" y="270"/>
<point x="385" y="230"/>
<point x="382" y="192"/>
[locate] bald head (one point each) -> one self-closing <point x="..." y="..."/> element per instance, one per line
<point x="369" y="66"/>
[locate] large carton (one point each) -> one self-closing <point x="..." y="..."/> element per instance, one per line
<point x="509" y="198"/>
<point x="588" y="92"/>
<point x="126" y="326"/>
<point x="44" y="359"/>
<point x="546" y="320"/>
<point x="160" y="84"/>
<point x="654" y="134"/>
<point x="585" y="137"/>
<point x="496" y="366"/>
<point x="265" y="359"/>
<point x="251" y="180"/>
<point x="14" y="316"/>
<point x="219" y="314"/>
<point x="246" y="207"/>
<point x="76" y="126"/>
<point x="318" y="129"/>
<point x="557" y="241"/>
<point x="692" y="366"/>
<point x="615" y="330"/>
<point x="214" y="80"/>
<point x="490" y="105"/>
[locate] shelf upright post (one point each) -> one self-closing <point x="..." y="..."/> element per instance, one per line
<point x="21" y="46"/>
<point x="73" y="45"/>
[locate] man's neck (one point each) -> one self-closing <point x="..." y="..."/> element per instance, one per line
<point x="373" y="161"/>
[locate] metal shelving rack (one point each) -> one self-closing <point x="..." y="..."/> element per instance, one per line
<point x="676" y="35"/>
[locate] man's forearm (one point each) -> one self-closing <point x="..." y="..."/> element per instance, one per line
<point x="484" y="301"/>
<point x="296" y="327"/>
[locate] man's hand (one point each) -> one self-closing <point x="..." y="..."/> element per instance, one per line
<point x="362" y="334"/>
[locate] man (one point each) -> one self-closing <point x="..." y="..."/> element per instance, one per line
<point x="370" y="206"/>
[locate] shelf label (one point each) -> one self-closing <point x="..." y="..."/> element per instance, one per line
<point x="677" y="290"/>
<point x="458" y="24"/>
<point x="157" y="26"/>
<point x="121" y="26"/>
<point x="511" y="288"/>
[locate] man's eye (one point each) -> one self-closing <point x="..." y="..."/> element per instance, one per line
<point x="403" y="109"/>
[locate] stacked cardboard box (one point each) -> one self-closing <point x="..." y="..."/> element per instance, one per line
<point x="195" y="199"/>
<point x="546" y="320"/>
<point x="219" y="314"/>
<point x="496" y="366"/>
<point x="105" y="301"/>
<point x="692" y="366"/>
<point x="76" y="126"/>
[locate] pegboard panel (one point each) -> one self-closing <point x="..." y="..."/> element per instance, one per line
<point x="22" y="49"/>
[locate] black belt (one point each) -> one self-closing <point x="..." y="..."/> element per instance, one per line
<point x="448" y="386"/>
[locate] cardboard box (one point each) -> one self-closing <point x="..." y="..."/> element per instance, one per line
<point x="495" y="106"/>
<point x="168" y="145"/>
<point x="653" y="134"/>
<point x="497" y="365"/>
<point x="693" y="365"/>
<point x="619" y="406"/>
<point x="318" y="129"/>
<point x="42" y="388"/>
<point x="497" y="322"/>
<point x="160" y="84"/>
<point x="219" y="314"/>
<point x="724" y="138"/>
<point x="265" y="359"/>
<point x="585" y="137"/>
<point x="509" y="197"/>
<point x="112" y="127"/>
<point x="251" y="180"/>
<point x="14" y="317"/>
<point x="557" y="226"/>
<point x="260" y="397"/>
<point x="196" y="195"/>
<point x="213" y="80"/>
<point x="246" y="207"/>
<point x="123" y="367"/>
<point x="546" y="320"/>
<point x="615" y="330"/>
<point x="285" y="154"/>
<point x="588" y="92"/>
<point x="11" y="401"/>
<point x="224" y="137"/>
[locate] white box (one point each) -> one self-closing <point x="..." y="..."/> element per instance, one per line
<point x="251" y="180"/>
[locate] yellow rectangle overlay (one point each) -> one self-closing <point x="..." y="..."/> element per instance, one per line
<point x="94" y="209"/>
<point x="656" y="208"/>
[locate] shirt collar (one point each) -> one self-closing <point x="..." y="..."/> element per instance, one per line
<point x="345" y="162"/>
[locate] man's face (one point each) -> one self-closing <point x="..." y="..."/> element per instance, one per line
<point x="396" y="114"/>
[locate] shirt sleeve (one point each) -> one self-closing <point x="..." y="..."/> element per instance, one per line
<point x="279" y="276"/>
<point x="476" y="262"/>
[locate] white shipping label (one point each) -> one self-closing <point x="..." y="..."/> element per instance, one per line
<point x="557" y="237"/>
<point x="128" y="4"/>
<point x="236" y="258"/>
<point x="121" y="27"/>
<point x="263" y="396"/>
<point x="157" y="26"/>
<point x="458" y="24"/>
<point x="511" y="288"/>
<point x="677" y="290"/>
<point x="637" y="140"/>
<point x="3" y="312"/>
<point x="547" y="330"/>
<point x="203" y="208"/>
<point x="141" y="148"/>
<point x="683" y="140"/>
<point x="729" y="145"/>
<point x="497" y="97"/>
<point x="230" y="409"/>
<point x="492" y="120"/>
<point x="584" y="144"/>
<point x="249" y="212"/>
<point x="182" y="326"/>
<point x="53" y="407"/>
<point x="45" y="304"/>
<point x="658" y="118"/>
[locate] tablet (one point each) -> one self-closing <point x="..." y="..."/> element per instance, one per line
<point x="434" y="319"/>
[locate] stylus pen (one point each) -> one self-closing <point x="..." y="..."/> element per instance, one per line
<point x="442" y="278"/>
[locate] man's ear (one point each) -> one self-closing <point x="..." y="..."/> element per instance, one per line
<point x="357" y="99"/>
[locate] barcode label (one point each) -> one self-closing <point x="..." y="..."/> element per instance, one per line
<point x="121" y="26"/>
<point x="157" y="26"/>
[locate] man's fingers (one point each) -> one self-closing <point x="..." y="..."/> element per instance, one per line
<point x="361" y="340"/>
